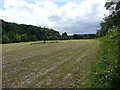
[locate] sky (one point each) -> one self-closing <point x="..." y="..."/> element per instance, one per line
<point x="71" y="16"/>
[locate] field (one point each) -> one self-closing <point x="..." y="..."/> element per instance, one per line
<point x="49" y="65"/>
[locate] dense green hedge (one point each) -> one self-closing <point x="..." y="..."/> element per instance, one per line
<point x="105" y="70"/>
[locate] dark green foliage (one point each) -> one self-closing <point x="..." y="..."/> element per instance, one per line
<point x="17" y="38"/>
<point x="77" y="36"/>
<point x="65" y="36"/>
<point x="13" y="32"/>
<point x="84" y="36"/>
<point x="33" y="38"/>
<point x="112" y="20"/>
<point x="5" y="39"/>
<point x="24" y="37"/>
<point x="113" y="7"/>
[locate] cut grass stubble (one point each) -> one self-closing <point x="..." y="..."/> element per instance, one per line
<point x="48" y="65"/>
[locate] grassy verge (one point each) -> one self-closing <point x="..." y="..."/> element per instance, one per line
<point x="105" y="70"/>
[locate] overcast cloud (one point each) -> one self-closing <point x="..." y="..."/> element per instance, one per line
<point x="78" y="16"/>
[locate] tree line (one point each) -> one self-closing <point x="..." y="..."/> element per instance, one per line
<point x="84" y="36"/>
<point x="13" y="32"/>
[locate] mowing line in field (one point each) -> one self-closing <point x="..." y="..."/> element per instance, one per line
<point x="49" y="65"/>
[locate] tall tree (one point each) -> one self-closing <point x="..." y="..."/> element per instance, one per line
<point x="112" y="20"/>
<point x="65" y="36"/>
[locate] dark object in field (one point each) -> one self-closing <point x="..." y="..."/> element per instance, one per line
<point x="43" y="42"/>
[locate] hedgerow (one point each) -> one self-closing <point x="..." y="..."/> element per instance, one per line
<point x="105" y="70"/>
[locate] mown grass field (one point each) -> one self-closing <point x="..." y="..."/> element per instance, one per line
<point x="49" y="65"/>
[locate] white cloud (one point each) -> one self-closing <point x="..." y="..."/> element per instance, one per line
<point x="73" y="17"/>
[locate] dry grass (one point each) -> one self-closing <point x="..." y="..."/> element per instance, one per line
<point x="53" y="65"/>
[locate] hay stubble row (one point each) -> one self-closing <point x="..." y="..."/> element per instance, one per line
<point x="47" y="65"/>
